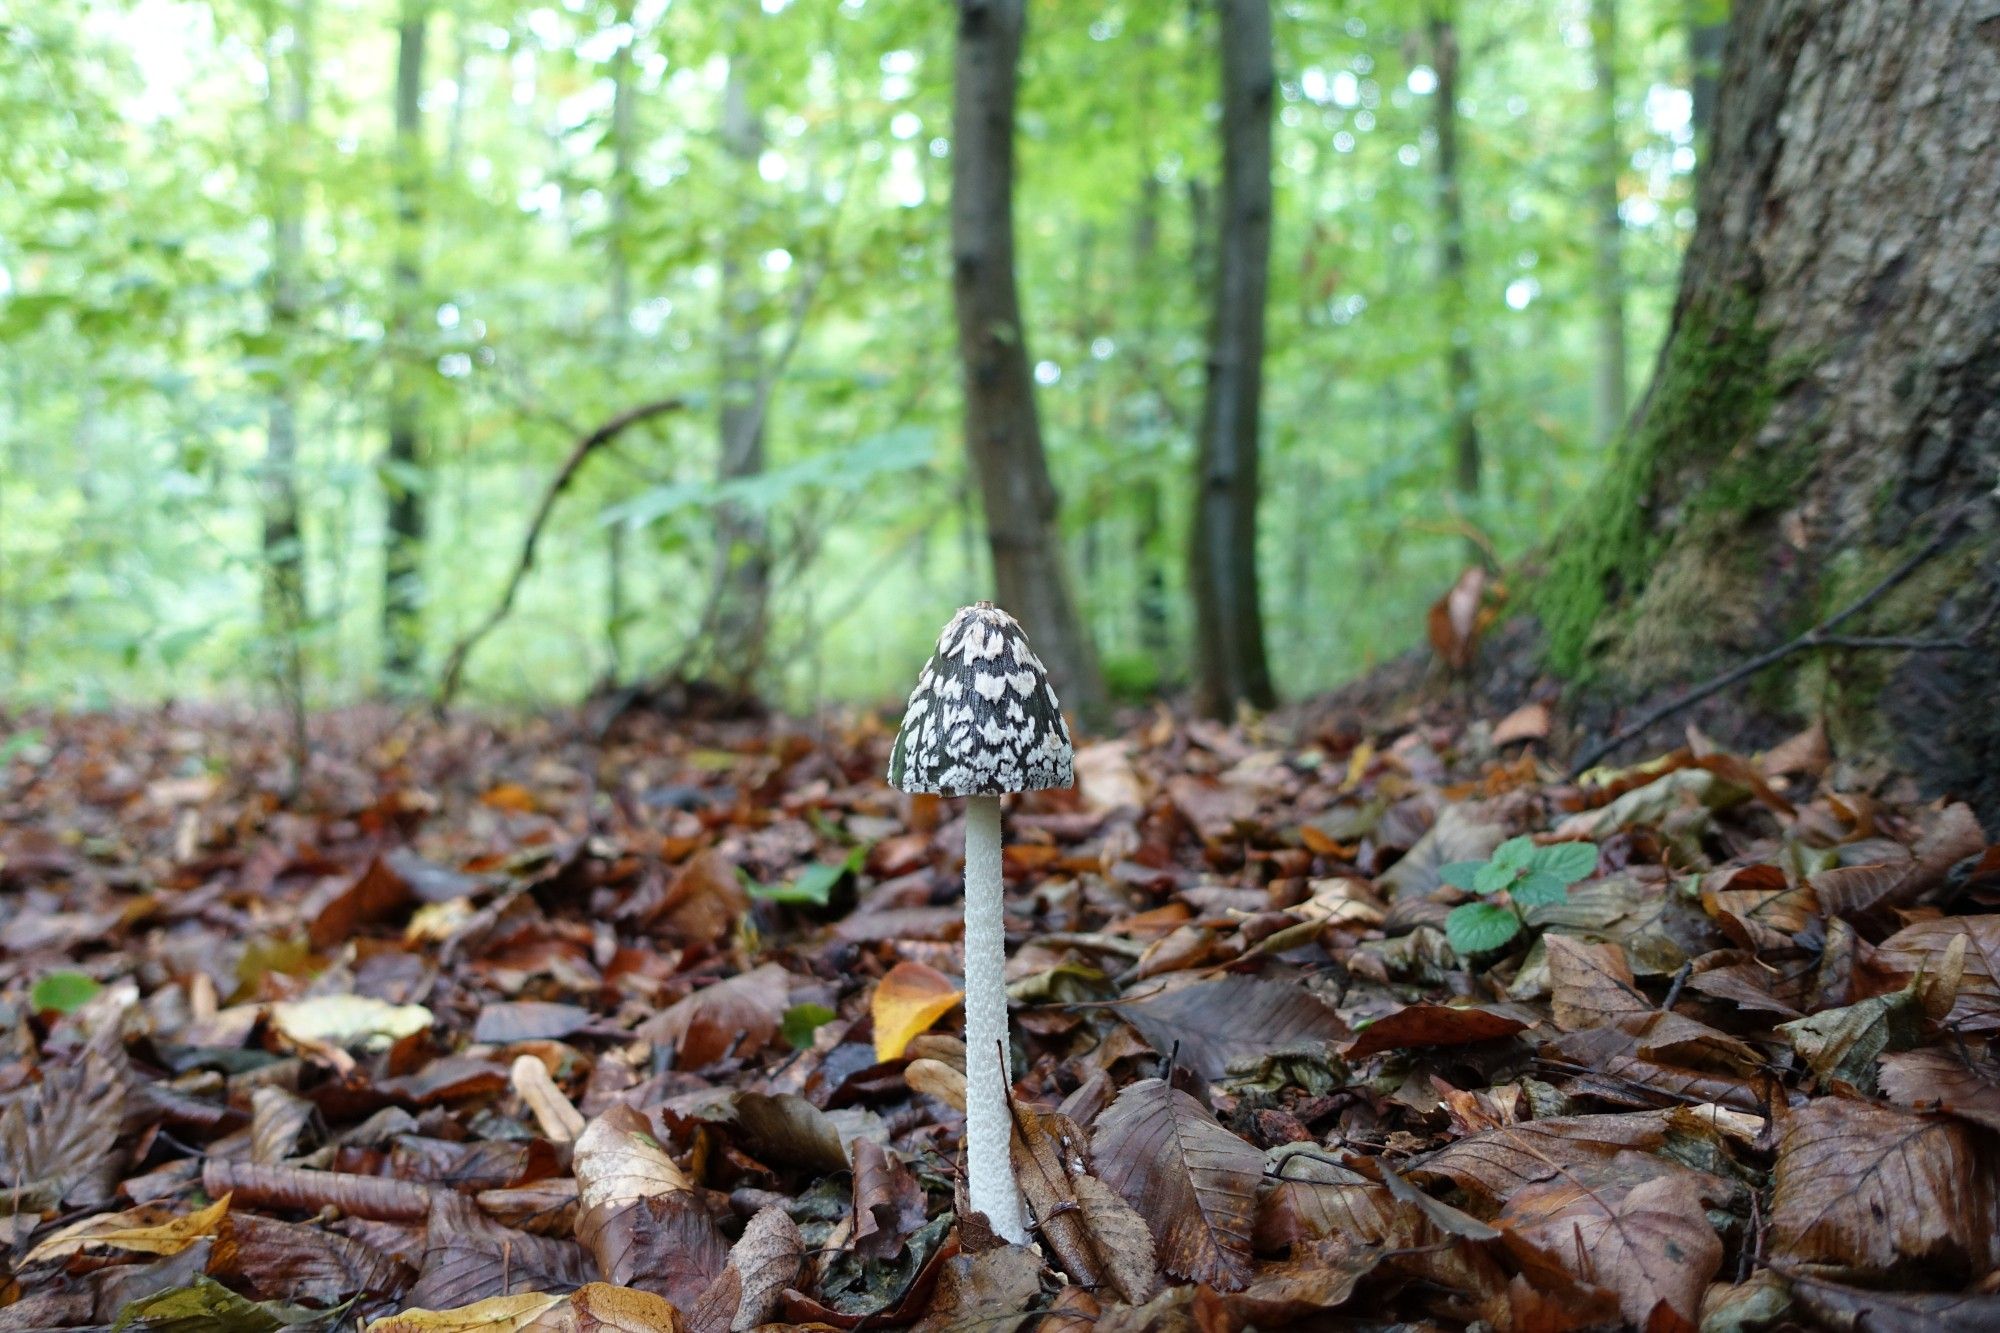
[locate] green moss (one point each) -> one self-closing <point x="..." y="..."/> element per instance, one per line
<point x="1667" y="520"/>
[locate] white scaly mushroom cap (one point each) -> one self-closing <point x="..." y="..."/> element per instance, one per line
<point x="983" y="719"/>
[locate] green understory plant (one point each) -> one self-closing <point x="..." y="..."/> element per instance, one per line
<point x="1528" y="875"/>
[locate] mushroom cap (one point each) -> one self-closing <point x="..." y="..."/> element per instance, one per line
<point x="983" y="719"/>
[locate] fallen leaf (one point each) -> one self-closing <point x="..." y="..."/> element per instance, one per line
<point x="1094" y="1234"/>
<point x="497" y="1314"/>
<point x="1498" y="1162"/>
<point x="1963" y="1082"/>
<point x="1193" y="1181"/>
<point x="739" y="1016"/>
<point x="1870" y="1187"/>
<point x="1416" y="1026"/>
<point x="1634" y="1225"/>
<point x="207" y="1306"/>
<point x="1924" y="946"/>
<point x="59" y="1138"/>
<point x="125" y="1231"/>
<point x="1591" y="984"/>
<point x="1212" y="1025"/>
<point x="348" y="1021"/>
<point x="907" y="1000"/>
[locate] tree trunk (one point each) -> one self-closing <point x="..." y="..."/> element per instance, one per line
<point x="1607" y="166"/>
<point x="403" y="476"/>
<point x="1002" y="433"/>
<point x="1706" y="35"/>
<point x="1461" y="384"/>
<point x="742" y="589"/>
<point x="284" y="593"/>
<point x="1229" y="623"/>
<point x="1828" y="391"/>
<point x="620" y="312"/>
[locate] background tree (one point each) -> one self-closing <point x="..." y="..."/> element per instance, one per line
<point x="1229" y="622"/>
<point x="1460" y="379"/>
<point x="1828" y="400"/>
<point x="1607" y="169"/>
<point x="404" y="476"/>
<point x="1003" y="433"/>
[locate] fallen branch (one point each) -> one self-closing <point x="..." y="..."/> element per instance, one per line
<point x="454" y="667"/>
<point x="1818" y="637"/>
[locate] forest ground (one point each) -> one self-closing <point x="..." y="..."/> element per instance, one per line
<point x="655" y="1031"/>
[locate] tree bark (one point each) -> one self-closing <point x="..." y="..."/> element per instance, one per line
<point x="404" y="483"/>
<point x="1607" y="166"/>
<point x="1003" y="434"/>
<point x="743" y="564"/>
<point x="1828" y="393"/>
<point x="1229" y="622"/>
<point x="1461" y="382"/>
<point x="284" y="591"/>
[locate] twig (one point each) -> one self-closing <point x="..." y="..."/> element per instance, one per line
<point x="454" y="667"/>
<point x="1819" y="636"/>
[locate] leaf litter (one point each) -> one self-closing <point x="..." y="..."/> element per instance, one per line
<point x="510" y="1027"/>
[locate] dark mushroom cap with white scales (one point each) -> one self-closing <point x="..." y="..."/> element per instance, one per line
<point x="983" y="719"/>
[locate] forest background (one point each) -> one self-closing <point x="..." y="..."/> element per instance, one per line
<point x="304" y="304"/>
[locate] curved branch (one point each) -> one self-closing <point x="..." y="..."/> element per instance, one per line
<point x="609" y="430"/>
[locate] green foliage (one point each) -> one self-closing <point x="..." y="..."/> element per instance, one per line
<point x="146" y="160"/>
<point x="1528" y="875"/>
<point x="815" y="885"/>
<point x="802" y="1021"/>
<point x="62" y="991"/>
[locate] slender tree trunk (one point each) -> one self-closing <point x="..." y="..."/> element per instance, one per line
<point x="403" y="470"/>
<point x="1705" y="38"/>
<point x="742" y="557"/>
<point x="1229" y="623"/>
<point x="1002" y="433"/>
<point x="1828" y="392"/>
<point x="284" y="593"/>
<point x="1607" y="166"/>
<point x="620" y="312"/>
<point x="1461" y="383"/>
<point x="1147" y="555"/>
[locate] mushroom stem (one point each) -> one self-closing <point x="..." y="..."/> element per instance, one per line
<point x="988" y="1083"/>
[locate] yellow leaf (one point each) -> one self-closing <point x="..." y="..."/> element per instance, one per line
<point x="599" y="1307"/>
<point x="907" y="1001"/>
<point x="497" y="1314"/>
<point x="117" y="1231"/>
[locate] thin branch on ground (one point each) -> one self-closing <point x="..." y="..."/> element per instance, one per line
<point x="609" y="430"/>
<point x="1820" y="636"/>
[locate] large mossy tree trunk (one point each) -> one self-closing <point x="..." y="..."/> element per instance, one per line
<point x="1828" y="391"/>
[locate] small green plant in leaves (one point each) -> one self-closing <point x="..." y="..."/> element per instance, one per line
<point x="1528" y="875"/>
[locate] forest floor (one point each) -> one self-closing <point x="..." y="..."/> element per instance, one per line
<point x="656" y="1033"/>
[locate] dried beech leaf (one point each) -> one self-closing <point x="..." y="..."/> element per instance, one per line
<point x="1215" y="1024"/>
<point x="600" y="1307"/>
<point x="1925" y="946"/>
<point x="1193" y="1181"/>
<point x="1591" y="984"/>
<point x="1938" y="1079"/>
<point x="738" y="1017"/>
<point x="1425" y="1025"/>
<point x="1500" y="1161"/>
<point x="130" y="1231"/>
<point x="1635" y="1225"/>
<point x="59" y="1139"/>
<point x="985" y="1293"/>
<point x="1871" y="1187"/>
<point x="1094" y="1234"/>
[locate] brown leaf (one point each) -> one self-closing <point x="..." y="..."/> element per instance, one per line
<point x="1856" y="891"/>
<point x="59" y="1138"/>
<point x="1193" y="1181"/>
<point x="702" y="905"/>
<point x="1859" y="1310"/>
<point x="294" y="1188"/>
<point x="637" y="1213"/>
<point x="1925" y="946"/>
<point x="1961" y="1082"/>
<point x="765" y="1260"/>
<point x="1635" y="1225"/>
<point x="600" y="1307"/>
<point x="1421" y="1025"/>
<point x="888" y="1201"/>
<point x="1591" y="984"/>
<point x="1216" y="1024"/>
<point x="1456" y="619"/>
<point x="1529" y="722"/>
<point x="468" y="1257"/>
<point x="1212" y="809"/>
<point x="287" y="1261"/>
<point x="1500" y="1161"/>
<point x="985" y="1293"/>
<point x="1871" y="1187"/>
<point x="278" y="1120"/>
<point x="1093" y="1233"/>
<point x="736" y="1017"/>
<point x="380" y="894"/>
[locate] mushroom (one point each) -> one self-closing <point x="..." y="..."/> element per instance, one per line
<point x="983" y="721"/>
